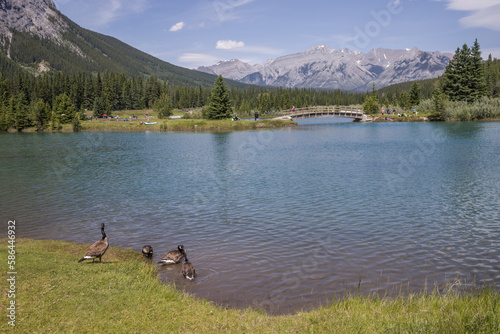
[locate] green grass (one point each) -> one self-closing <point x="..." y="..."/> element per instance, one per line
<point x="171" y="125"/>
<point x="55" y="294"/>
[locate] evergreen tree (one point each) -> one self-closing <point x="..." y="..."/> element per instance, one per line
<point x="64" y="109"/>
<point x="439" y="103"/>
<point x="371" y="105"/>
<point x="463" y="79"/>
<point x="265" y="102"/>
<point x="477" y="77"/>
<point x="163" y="106"/>
<point x="40" y="114"/>
<point x="22" y="119"/>
<point x="99" y="107"/>
<point x="415" y="95"/>
<point x="219" y="106"/>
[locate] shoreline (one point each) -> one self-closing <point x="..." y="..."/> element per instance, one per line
<point x="68" y="296"/>
<point x="167" y="125"/>
<point x="193" y="125"/>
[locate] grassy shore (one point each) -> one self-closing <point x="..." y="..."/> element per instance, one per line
<point x="172" y="125"/>
<point x="55" y="294"/>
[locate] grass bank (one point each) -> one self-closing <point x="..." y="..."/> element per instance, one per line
<point x="173" y="125"/>
<point x="56" y="294"/>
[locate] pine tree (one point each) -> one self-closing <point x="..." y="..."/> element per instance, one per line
<point x="219" y="106"/>
<point x="370" y="105"/>
<point x="415" y="94"/>
<point x="478" y="82"/>
<point x="163" y="106"/>
<point x="464" y="79"/>
<point x="22" y="119"/>
<point x="99" y="107"/>
<point x="40" y="114"/>
<point x="64" y="109"/>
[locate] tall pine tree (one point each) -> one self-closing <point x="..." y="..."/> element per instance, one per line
<point x="463" y="79"/>
<point x="219" y="106"/>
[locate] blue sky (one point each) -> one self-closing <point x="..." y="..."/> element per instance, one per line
<point x="191" y="33"/>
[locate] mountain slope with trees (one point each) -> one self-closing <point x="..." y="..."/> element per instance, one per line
<point x="36" y="37"/>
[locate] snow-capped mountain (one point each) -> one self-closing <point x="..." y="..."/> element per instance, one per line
<point x="323" y="67"/>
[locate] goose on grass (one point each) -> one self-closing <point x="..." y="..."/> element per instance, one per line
<point x="98" y="248"/>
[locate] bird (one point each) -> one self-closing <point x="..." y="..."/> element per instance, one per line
<point x="188" y="269"/>
<point x="98" y="248"/>
<point x="174" y="256"/>
<point x="147" y="251"/>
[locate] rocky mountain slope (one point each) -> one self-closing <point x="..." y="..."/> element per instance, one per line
<point x="323" y="67"/>
<point x="35" y="36"/>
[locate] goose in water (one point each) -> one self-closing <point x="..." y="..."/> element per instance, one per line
<point x="147" y="251"/>
<point x="174" y="256"/>
<point x="188" y="269"/>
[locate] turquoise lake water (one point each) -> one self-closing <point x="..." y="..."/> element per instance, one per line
<point x="282" y="219"/>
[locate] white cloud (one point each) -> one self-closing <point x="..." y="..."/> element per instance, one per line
<point x="483" y="13"/>
<point x="197" y="59"/>
<point x="469" y="5"/>
<point x="97" y="13"/>
<point x="178" y="26"/>
<point x="486" y="18"/>
<point x="228" y="45"/>
<point x="225" y="10"/>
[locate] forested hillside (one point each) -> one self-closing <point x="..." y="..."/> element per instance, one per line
<point x="70" y="48"/>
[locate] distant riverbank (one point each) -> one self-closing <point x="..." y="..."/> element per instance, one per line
<point x="171" y="125"/>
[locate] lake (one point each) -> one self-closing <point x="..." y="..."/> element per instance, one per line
<point x="280" y="220"/>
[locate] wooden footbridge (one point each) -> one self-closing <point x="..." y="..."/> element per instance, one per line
<point x="324" y="111"/>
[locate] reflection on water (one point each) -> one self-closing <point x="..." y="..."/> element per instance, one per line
<point x="281" y="220"/>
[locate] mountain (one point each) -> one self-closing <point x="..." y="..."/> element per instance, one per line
<point x="323" y="67"/>
<point x="35" y="36"/>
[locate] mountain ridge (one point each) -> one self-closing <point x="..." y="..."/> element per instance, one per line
<point x="35" y="36"/>
<point x="323" y="67"/>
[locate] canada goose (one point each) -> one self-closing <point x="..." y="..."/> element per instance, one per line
<point x="188" y="269"/>
<point x="147" y="251"/>
<point x="174" y="256"/>
<point x="98" y="248"/>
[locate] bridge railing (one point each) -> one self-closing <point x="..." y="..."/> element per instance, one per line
<point x="319" y="111"/>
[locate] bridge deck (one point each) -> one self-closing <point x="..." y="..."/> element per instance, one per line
<point x="324" y="111"/>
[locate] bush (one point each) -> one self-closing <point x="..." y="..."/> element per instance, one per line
<point x="485" y="108"/>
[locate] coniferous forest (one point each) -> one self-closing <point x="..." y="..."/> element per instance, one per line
<point x="24" y="96"/>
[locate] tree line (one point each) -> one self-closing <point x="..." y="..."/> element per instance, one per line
<point x="56" y="98"/>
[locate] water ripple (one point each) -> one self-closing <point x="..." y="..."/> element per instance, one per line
<point x="280" y="220"/>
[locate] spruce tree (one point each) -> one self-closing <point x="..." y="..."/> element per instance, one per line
<point x="370" y="105"/>
<point x="219" y="106"/>
<point x="464" y="79"/>
<point x="415" y="94"/>
<point x="64" y="109"/>
<point x="477" y="77"/>
<point x="22" y="119"/>
<point x="40" y="114"/>
<point x="162" y="106"/>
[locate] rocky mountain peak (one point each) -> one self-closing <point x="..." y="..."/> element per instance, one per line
<point x="322" y="48"/>
<point x="39" y="17"/>
<point x="323" y="67"/>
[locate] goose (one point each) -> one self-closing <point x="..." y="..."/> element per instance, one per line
<point x="147" y="251"/>
<point x="174" y="256"/>
<point x="98" y="248"/>
<point x="188" y="269"/>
